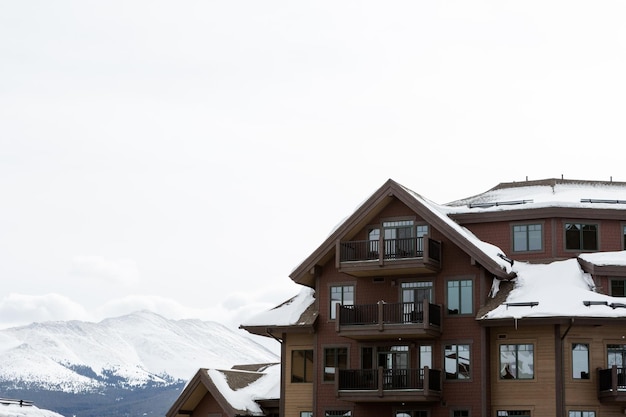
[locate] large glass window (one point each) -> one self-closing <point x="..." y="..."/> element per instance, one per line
<point x="460" y="296"/>
<point x="413" y="294"/>
<point x="616" y="355"/>
<point x="580" y="413"/>
<point x="618" y="287"/>
<point x="579" y="236"/>
<point x="517" y="361"/>
<point x="341" y="294"/>
<point x="399" y="239"/>
<point x="580" y="361"/>
<point x="527" y="237"/>
<point x="457" y="361"/>
<point x="302" y="366"/>
<point x="334" y="358"/>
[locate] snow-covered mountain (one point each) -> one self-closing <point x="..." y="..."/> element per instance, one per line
<point x="129" y="353"/>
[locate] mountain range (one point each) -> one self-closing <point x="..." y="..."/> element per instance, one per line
<point x="124" y="366"/>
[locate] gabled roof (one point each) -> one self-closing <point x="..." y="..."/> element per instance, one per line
<point x="298" y="314"/>
<point x="532" y="294"/>
<point x="436" y="215"/>
<point x="238" y="392"/>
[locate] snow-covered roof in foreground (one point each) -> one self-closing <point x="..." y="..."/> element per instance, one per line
<point x="14" y="410"/>
<point x="560" y="290"/>
<point x="267" y="386"/>
<point x="288" y="313"/>
<point x="546" y="193"/>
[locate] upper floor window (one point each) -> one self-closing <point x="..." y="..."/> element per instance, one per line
<point x="517" y="413"/>
<point x="618" y="287"/>
<point x="426" y="356"/>
<point x="460" y="413"/>
<point x="306" y="413"/>
<point x="527" y="237"/>
<point x="411" y="413"/>
<point x="457" y="361"/>
<point x="580" y="361"/>
<point x="334" y="358"/>
<point x="337" y="413"/>
<point x="460" y="296"/>
<point x="340" y="294"/>
<point x="302" y="366"/>
<point x="580" y="236"/>
<point x="580" y="413"/>
<point x="517" y="361"/>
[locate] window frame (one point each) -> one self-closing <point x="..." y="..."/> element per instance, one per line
<point x="572" y="374"/>
<point x="305" y="373"/>
<point x="501" y="366"/>
<point x="457" y="343"/>
<point x="332" y="302"/>
<point x="581" y="413"/>
<point x="527" y="237"/>
<point x="617" y="279"/>
<point x="581" y="237"/>
<point x="335" y="356"/>
<point x="460" y="296"/>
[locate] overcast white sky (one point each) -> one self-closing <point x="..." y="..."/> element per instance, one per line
<point x="185" y="156"/>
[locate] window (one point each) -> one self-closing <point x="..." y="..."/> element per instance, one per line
<point x="460" y="413"/>
<point x="581" y="236"/>
<point x="578" y="413"/>
<point x="580" y="361"/>
<point x="457" y="361"/>
<point x="517" y="362"/>
<point x="302" y="366"/>
<point x="527" y="237"/>
<point x="338" y="413"/>
<point x="426" y="356"/>
<point x="618" y="287"/>
<point x="519" y="413"/>
<point x="616" y="355"/>
<point x="624" y="238"/>
<point x="460" y="296"/>
<point x="399" y="239"/>
<point x="344" y="295"/>
<point x="334" y="358"/>
<point x="306" y="413"/>
<point x="411" y="413"/>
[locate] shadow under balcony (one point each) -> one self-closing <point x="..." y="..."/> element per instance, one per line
<point x="383" y="385"/>
<point x="362" y="258"/>
<point x="612" y="384"/>
<point x="418" y="320"/>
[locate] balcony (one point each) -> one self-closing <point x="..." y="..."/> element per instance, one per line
<point x="612" y="384"/>
<point x="362" y="258"/>
<point x="421" y="320"/>
<point x="378" y="385"/>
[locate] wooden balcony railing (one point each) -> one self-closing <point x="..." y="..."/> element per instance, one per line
<point x="612" y="384"/>
<point x="380" y="382"/>
<point x="416" y="253"/>
<point x="371" y="321"/>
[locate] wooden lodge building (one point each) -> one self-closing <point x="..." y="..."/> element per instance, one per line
<point x="508" y="303"/>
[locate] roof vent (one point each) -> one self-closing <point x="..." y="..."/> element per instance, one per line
<point x="499" y="203"/>
<point x="595" y="303"/>
<point x="530" y="304"/>
<point x="600" y="201"/>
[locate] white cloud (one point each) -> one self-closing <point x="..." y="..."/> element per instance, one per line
<point x="119" y="271"/>
<point x="19" y="309"/>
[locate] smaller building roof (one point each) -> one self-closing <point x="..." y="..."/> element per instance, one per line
<point x="561" y="289"/>
<point x="299" y="313"/>
<point x="237" y="391"/>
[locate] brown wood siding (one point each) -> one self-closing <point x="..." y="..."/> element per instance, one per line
<point x="208" y="406"/>
<point x="298" y="396"/>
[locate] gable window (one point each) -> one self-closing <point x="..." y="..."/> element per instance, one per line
<point x="618" y="287"/>
<point x="527" y="237"/>
<point x="399" y="239"/>
<point x="517" y="361"/>
<point x="460" y="296"/>
<point x="301" y="366"/>
<point x="334" y="358"/>
<point x="457" y="361"/>
<point x="580" y="361"/>
<point x="580" y="236"/>
<point x="340" y="294"/>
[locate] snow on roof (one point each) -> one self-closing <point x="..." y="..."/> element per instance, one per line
<point x="558" y="289"/>
<point x="15" y="410"/>
<point x="442" y="212"/>
<point x="266" y="387"/>
<point x="605" y="258"/>
<point x="286" y="314"/>
<point x="546" y="193"/>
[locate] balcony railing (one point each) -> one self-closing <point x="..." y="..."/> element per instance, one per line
<point x="612" y="384"/>
<point x="360" y="256"/>
<point x="381" y="382"/>
<point x="363" y="321"/>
